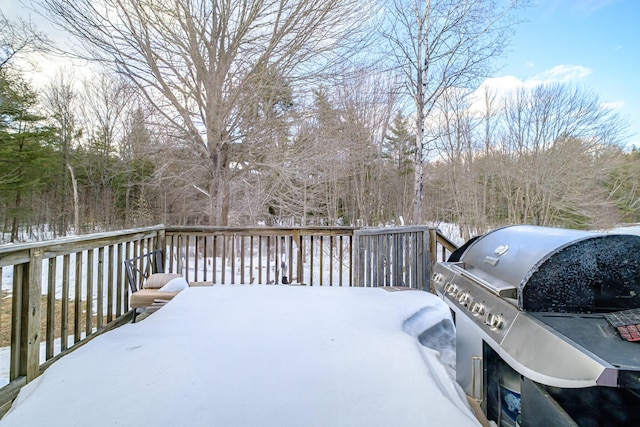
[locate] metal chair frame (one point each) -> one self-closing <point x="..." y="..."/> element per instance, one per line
<point x="139" y="268"/>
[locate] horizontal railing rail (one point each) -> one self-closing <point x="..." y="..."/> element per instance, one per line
<point x="59" y="294"/>
<point x="441" y="246"/>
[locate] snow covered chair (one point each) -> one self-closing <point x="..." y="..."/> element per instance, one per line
<point x="150" y="286"/>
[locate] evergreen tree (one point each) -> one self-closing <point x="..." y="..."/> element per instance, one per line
<point x="398" y="151"/>
<point x="399" y="145"/>
<point x="26" y="153"/>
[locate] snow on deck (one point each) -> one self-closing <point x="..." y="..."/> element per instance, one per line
<point x="261" y="356"/>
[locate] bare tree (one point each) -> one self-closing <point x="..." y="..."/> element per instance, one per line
<point x="200" y="62"/>
<point x="623" y="183"/>
<point x="134" y="191"/>
<point x="553" y="140"/>
<point x="330" y="170"/>
<point x="61" y="103"/>
<point x="442" y="44"/>
<point x="547" y="155"/>
<point x="457" y="147"/>
<point x="366" y="101"/>
<point x="19" y="39"/>
<point x="105" y="101"/>
<point x="466" y="144"/>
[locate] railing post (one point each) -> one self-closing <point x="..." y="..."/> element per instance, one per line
<point x="433" y="246"/>
<point x="297" y="236"/>
<point x="19" y="273"/>
<point x="425" y="275"/>
<point x="433" y="255"/>
<point x="358" y="269"/>
<point x="31" y="316"/>
<point x="161" y="243"/>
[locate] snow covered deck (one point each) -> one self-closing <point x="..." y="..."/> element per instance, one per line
<point x="261" y="355"/>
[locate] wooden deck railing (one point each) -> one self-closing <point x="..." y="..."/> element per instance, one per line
<point x="59" y="294"/>
<point x="332" y="256"/>
<point x="262" y="255"/>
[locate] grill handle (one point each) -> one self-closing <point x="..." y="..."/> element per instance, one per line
<point x="504" y="291"/>
<point x="476" y="361"/>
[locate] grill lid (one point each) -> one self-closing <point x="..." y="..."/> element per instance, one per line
<point x="558" y="270"/>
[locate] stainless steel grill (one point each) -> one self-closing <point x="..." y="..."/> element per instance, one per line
<point x="535" y="298"/>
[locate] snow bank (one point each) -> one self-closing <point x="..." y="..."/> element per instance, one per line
<point x="259" y="355"/>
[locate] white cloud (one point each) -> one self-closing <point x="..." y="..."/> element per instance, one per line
<point x="500" y="86"/>
<point x="562" y="74"/>
<point x="614" y="105"/>
<point x="495" y="86"/>
<point x="587" y="7"/>
<point x="503" y="83"/>
<point x="557" y="74"/>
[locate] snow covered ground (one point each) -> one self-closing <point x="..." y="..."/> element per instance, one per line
<point x="190" y="271"/>
<point x="261" y="355"/>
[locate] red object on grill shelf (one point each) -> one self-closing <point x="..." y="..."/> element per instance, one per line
<point x="627" y="323"/>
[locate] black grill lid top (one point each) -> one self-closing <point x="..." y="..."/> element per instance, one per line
<point x="599" y="274"/>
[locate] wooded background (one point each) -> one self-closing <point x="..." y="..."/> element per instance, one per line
<point x="335" y="112"/>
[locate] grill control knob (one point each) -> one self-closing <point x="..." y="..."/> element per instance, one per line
<point x="463" y="298"/>
<point x="451" y="289"/>
<point x="494" y="321"/>
<point x="437" y="278"/>
<point x="476" y="308"/>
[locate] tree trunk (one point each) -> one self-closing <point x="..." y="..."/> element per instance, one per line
<point x="418" y="168"/>
<point x="76" y="207"/>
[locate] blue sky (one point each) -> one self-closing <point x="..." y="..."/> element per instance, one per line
<point x="593" y="43"/>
